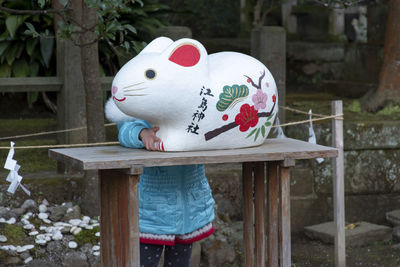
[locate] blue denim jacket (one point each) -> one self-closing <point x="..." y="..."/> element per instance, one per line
<point x="172" y="199"/>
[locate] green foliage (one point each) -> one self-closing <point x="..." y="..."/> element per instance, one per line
<point x="390" y="110"/>
<point x="15" y="234"/>
<point x="88" y="236"/>
<point x="21" y="54"/>
<point x="354" y="106"/>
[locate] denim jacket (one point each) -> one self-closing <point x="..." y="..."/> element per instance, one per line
<point x="172" y="199"/>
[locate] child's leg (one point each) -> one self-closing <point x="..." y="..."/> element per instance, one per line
<point x="150" y="255"/>
<point x="177" y="255"/>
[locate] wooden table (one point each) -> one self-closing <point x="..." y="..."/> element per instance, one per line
<point x="120" y="168"/>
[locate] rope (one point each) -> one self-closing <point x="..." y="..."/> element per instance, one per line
<point x="303" y="112"/>
<point x="337" y="117"/>
<point x="50" y="132"/>
<point x="62" y="146"/>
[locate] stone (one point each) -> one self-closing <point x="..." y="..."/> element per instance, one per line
<point x="29" y="204"/>
<point x="75" y="259"/>
<point x="54" y="247"/>
<point x="33" y="233"/>
<point x="76" y="230"/>
<point x="75" y="222"/>
<point x="57" y="235"/>
<point x="11" y="220"/>
<point x="3" y="238"/>
<point x="363" y="234"/>
<point x="45" y="202"/>
<point x="27" y="260"/>
<point x="29" y="226"/>
<point x="12" y="261"/>
<point x="7" y="213"/>
<point x="74" y="213"/>
<point x="393" y="217"/>
<point x="42" y="208"/>
<point x="18" y="211"/>
<point x="57" y="213"/>
<point x="25" y="255"/>
<point x="41" y="263"/>
<point x="72" y="244"/>
<point x="218" y="253"/>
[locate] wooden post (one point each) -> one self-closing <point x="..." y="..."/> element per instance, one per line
<point x="338" y="188"/>
<point x="273" y="253"/>
<point x="289" y="20"/>
<point x="259" y="195"/>
<point x="284" y="227"/>
<point x="268" y="44"/>
<point x="248" y="220"/>
<point x="119" y="218"/>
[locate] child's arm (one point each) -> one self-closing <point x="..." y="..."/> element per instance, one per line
<point x="138" y="134"/>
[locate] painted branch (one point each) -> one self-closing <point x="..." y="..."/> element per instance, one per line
<point x="214" y="133"/>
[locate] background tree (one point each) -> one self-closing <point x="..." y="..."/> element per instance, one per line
<point x="388" y="90"/>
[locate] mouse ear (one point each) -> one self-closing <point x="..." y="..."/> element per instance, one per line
<point x="186" y="53"/>
<point x="158" y="45"/>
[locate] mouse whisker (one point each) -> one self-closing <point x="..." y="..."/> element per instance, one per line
<point x="132" y="85"/>
<point x="137" y="89"/>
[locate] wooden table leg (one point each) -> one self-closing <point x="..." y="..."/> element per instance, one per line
<point x="259" y="195"/>
<point x="119" y="218"/>
<point x="284" y="229"/>
<point x="248" y="213"/>
<point x="273" y="254"/>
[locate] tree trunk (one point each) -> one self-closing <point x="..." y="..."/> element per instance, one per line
<point x="389" y="76"/>
<point x="91" y="76"/>
<point x="94" y="102"/>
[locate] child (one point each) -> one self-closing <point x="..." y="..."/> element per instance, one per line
<point x="176" y="207"/>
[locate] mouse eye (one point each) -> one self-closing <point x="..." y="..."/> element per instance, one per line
<point x="150" y="74"/>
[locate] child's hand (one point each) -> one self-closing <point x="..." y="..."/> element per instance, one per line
<point x="149" y="138"/>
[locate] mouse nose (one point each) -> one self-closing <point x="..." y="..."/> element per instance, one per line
<point x="114" y="90"/>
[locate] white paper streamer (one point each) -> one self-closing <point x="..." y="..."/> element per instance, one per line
<point x="278" y="129"/>
<point x="311" y="135"/>
<point x="13" y="177"/>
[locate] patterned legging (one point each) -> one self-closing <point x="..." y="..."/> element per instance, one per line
<point x="174" y="256"/>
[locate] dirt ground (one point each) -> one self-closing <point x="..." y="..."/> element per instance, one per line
<point x="307" y="252"/>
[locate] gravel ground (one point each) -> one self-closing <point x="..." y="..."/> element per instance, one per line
<point x="306" y="252"/>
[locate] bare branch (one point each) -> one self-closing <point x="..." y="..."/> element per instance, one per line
<point x="33" y="12"/>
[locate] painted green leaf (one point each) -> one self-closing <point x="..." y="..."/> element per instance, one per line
<point x="270" y="116"/>
<point x="251" y="133"/>
<point x="267" y="124"/>
<point x="231" y="95"/>
<point x="263" y="131"/>
<point x="257" y="133"/>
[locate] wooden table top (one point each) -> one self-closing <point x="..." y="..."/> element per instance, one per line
<point x="118" y="157"/>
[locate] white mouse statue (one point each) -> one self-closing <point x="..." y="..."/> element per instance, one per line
<point x="199" y="101"/>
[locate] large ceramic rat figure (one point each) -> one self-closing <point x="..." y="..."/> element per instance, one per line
<point x="199" y="101"/>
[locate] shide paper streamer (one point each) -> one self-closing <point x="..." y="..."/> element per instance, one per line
<point x="13" y="177"/>
<point x="311" y="135"/>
